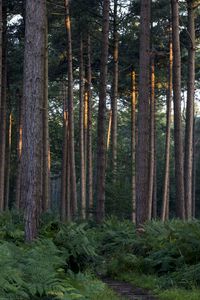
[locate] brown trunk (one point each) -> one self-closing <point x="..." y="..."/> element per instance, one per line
<point x="71" y="112"/>
<point x="82" y="129"/>
<point x="189" y="112"/>
<point x="1" y="46"/>
<point x="142" y="159"/>
<point x="133" y="144"/>
<point x="154" y="208"/>
<point x="180" y="204"/>
<point x="63" y="207"/>
<point x="89" y="128"/>
<point x="3" y="110"/>
<point x="194" y="173"/>
<point x="101" y="151"/>
<point x="18" y="205"/>
<point x="167" y="139"/>
<point x="114" y="95"/>
<point x="33" y="95"/>
<point x="109" y="129"/>
<point x="152" y="138"/>
<point x="7" y="169"/>
<point x="46" y="169"/>
<point x="85" y="122"/>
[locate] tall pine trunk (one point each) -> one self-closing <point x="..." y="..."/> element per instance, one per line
<point x="133" y="144"/>
<point x="89" y="128"/>
<point x="46" y="167"/>
<point x="178" y="141"/>
<point x="3" y="108"/>
<point x="109" y="129"/>
<point x="189" y="112"/>
<point x="1" y="47"/>
<point x="71" y="113"/>
<point x="82" y="128"/>
<point x="142" y="158"/>
<point x="33" y="94"/>
<point x="64" y="183"/>
<point x="152" y="138"/>
<point x="18" y="203"/>
<point x="114" y="96"/>
<point x="167" y="138"/>
<point x="7" y="169"/>
<point x="101" y="151"/>
<point x="194" y="171"/>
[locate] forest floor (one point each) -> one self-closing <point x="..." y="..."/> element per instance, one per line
<point x="128" y="291"/>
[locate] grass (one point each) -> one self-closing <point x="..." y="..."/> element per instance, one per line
<point x="153" y="283"/>
<point x="179" y="294"/>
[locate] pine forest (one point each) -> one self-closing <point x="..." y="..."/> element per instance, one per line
<point x="99" y="149"/>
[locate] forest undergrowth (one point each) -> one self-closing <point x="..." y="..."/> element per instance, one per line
<point x="67" y="261"/>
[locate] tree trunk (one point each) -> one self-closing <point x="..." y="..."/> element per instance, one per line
<point x="46" y="169"/>
<point x="142" y="158"/>
<point x="168" y="134"/>
<point x="101" y="151"/>
<point x="154" y="208"/>
<point x="194" y="172"/>
<point x="1" y="47"/>
<point x="189" y="112"/>
<point x="155" y="205"/>
<point x="180" y="204"/>
<point x="3" y="109"/>
<point x="33" y="93"/>
<point x="82" y="129"/>
<point x="114" y="95"/>
<point x="89" y="129"/>
<point x="133" y="144"/>
<point x="7" y="169"/>
<point x="63" y="205"/>
<point x="18" y="203"/>
<point x="152" y="138"/>
<point x="109" y="129"/>
<point x="71" y="112"/>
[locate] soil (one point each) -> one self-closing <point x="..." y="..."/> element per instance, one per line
<point x="127" y="291"/>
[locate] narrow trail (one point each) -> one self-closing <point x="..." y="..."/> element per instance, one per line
<point x="127" y="291"/>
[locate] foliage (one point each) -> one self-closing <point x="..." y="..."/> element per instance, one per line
<point x="78" y="248"/>
<point x="162" y="255"/>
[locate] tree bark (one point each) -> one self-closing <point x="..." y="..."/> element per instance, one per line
<point x="168" y="134"/>
<point x="82" y="128"/>
<point x="101" y="151"/>
<point x="89" y="129"/>
<point x="7" y="169"/>
<point x="71" y="113"/>
<point x="142" y="151"/>
<point x="189" y="112"/>
<point x="33" y="93"/>
<point x="3" y="108"/>
<point x="18" y="203"/>
<point x="63" y="205"/>
<point x="114" y="95"/>
<point x="194" y="172"/>
<point x="1" y="47"/>
<point x="109" y="129"/>
<point x="133" y="144"/>
<point x="180" y="204"/>
<point x="152" y="138"/>
<point x="46" y="166"/>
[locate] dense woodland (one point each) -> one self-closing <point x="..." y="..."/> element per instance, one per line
<point x="100" y="100"/>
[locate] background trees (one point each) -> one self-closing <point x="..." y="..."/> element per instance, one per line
<point x="104" y="66"/>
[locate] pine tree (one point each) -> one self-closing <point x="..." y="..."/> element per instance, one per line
<point x="33" y="102"/>
<point x="101" y="151"/>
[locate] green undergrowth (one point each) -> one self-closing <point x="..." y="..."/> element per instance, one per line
<point x="164" y="257"/>
<point x="154" y="284"/>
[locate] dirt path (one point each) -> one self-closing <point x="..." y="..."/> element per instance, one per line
<point x="127" y="291"/>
